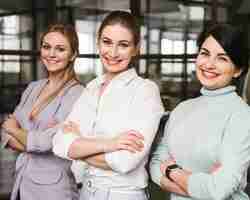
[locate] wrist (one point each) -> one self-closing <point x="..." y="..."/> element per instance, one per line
<point x="170" y="169"/>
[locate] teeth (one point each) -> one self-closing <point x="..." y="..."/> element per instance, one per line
<point x="113" y="62"/>
<point x="53" y="62"/>
<point x="209" y="74"/>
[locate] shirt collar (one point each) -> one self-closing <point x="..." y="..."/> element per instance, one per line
<point x="124" y="77"/>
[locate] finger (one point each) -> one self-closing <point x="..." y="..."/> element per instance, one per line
<point x="135" y="137"/>
<point x="136" y="134"/>
<point x="136" y="140"/>
<point x="163" y="167"/>
<point x="74" y="126"/>
<point x="133" y="145"/>
<point x="67" y="128"/>
<point x="128" y="148"/>
<point x="11" y="117"/>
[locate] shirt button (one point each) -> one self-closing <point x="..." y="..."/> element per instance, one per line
<point x="89" y="184"/>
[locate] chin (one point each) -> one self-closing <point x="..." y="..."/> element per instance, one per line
<point x="115" y="69"/>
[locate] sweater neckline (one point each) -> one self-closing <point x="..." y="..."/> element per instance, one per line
<point x="218" y="92"/>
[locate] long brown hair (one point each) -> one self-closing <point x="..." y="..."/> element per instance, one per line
<point x="68" y="75"/>
<point x="126" y="20"/>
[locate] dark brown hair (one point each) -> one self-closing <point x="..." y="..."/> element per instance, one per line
<point x="232" y="39"/>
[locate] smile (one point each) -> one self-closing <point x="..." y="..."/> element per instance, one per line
<point x="209" y="74"/>
<point x="52" y="61"/>
<point x="112" y="61"/>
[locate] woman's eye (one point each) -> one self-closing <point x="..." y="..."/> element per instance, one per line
<point x="106" y="42"/>
<point x="124" y="45"/>
<point x="204" y="53"/>
<point x="60" y="49"/>
<point x="224" y="59"/>
<point x="45" y="46"/>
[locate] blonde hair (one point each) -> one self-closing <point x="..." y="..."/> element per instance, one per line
<point x="68" y="74"/>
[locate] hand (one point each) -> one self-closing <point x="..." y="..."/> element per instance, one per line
<point x="131" y="141"/>
<point x="170" y="186"/>
<point x="11" y="125"/>
<point x="215" y="167"/>
<point x="71" y="127"/>
<point x="52" y="123"/>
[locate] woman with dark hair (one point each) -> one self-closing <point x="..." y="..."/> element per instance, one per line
<point x="117" y="103"/>
<point x="44" y="104"/>
<point x="205" y="152"/>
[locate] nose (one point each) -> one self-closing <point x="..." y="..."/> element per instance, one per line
<point x="113" y="51"/>
<point x="211" y="62"/>
<point x="52" y="52"/>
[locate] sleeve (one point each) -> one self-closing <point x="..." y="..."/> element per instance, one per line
<point x="146" y="112"/>
<point x="61" y="141"/>
<point x="160" y="155"/>
<point x="234" y="158"/>
<point x="41" y="140"/>
<point x="4" y="135"/>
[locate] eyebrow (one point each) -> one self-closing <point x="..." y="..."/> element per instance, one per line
<point x="220" y="54"/>
<point x="127" y="41"/>
<point x="47" y="43"/>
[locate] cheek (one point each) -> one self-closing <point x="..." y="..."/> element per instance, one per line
<point x="102" y="50"/>
<point x="128" y="54"/>
<point x="43" y="53"/>
<point x="65" y="57"/>
<point x="199" y="61"/>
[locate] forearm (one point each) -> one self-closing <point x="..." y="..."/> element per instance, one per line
<point x="97" y="161"/>
<point x="84" y="147"/>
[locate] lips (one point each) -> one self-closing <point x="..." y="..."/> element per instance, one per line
<point x="209" y="74"/>
<point x="112" y="61"/>
<point x="52" y="61"/>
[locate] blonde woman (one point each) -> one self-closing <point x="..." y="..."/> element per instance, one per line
<point x="44" y="104"/>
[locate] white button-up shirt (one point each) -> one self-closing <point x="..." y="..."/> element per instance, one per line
<point x="129" y="102"/>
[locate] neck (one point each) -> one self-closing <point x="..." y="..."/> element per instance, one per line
<point x="55" y="78"/>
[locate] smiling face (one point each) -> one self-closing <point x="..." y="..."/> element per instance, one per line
<point x="56" y="52"/>
<point x="116" y="48"/>
<point x="214" y="68"/>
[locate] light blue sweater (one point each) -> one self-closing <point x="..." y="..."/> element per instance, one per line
<point x="214" y="127"/>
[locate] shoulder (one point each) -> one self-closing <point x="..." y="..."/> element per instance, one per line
<point x="35" y="84"/>
<point x="240" y="110"/>
<point x="76" y="88"/>
<point x="185" y="107"/>
<point x="146" y="85"/>
<point x="32" y="85"/>
<point x="187" y="103"/>
<point x="74" y="91"/>
<point x="38" y="82"/>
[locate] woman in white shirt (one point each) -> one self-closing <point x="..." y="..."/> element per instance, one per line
<point x="118" y="102"/>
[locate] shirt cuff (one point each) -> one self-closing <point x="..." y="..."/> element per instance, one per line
<point x="109" y="158"/>
<point x="62" y="142"/>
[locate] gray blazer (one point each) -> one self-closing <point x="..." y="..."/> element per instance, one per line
<point x="39" y="173"/>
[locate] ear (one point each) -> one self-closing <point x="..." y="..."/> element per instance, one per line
<point x="237" y="72"/>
